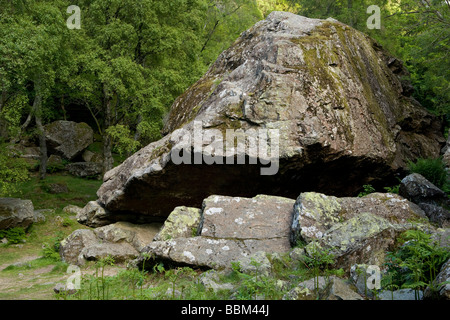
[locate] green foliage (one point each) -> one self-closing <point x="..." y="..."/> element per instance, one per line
<point x="395" y="189"/>
<point x="50" y="249"/>
<point x="317" y="259"/>
<point x="368" y="189"/>
<point x="254" y="285"/>
<point x="432" y="169"/>
<point x="13" y="235"/>
<point x="416" y="263"/>
<point x="12" y="171"/>
<point x="123" y="141"/>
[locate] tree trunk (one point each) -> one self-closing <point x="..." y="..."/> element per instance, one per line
<point x="37" y="106"/>
<point x="108" y="160"/>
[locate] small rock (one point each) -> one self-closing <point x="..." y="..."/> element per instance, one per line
<point x="402" y="294"/>
<point x="61" y="288"/>
<point x="210" y="280"/>
<point x="93" y="215"/>
<point x="85" y="169"/>
<point x="183" y="222"/>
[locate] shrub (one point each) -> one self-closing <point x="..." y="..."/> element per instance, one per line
<point x="14" y="235"/>
<point x="368" y="189"/>
<point x="416" y="263"/>
<point x="432" y="169"/>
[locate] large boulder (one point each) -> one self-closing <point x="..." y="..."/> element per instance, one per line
<point x="324" y="98"/>
<point x="230" y="229"/>
<point x="68" y="139"/>
<point x="356" y="230"/>
<point x="85" y="169"/>
<point x="16" y="213"/>
<point x="432" y="200"/>
<point x="122" y="241"/>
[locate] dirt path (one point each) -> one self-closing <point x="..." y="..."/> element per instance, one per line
<point x="23" y="283"/>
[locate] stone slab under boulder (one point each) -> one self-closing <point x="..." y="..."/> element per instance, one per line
<point x="68" y="139"/>
<point x="345" y="120"/>
<point x="230" y="228"/>
<point x="16" y="213"/>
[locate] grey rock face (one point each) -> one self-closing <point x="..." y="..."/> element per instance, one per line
<point x="357" y="230"/>
<point x="430" y="198"/>
<point x="442" y="291"/>
<point x="183" y="222"/>
<point x="343" y="119"/>
<point x="68" y="139"/>
<point x="93" y="215"/>
<point x="16" y="213"/>
<point x="85" y="169"/>
<point x="122" y="241"/>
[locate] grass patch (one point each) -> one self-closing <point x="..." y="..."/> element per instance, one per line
<point x="81" y="191"/>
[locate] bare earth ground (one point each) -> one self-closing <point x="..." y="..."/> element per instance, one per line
<point x="35" y="284"/>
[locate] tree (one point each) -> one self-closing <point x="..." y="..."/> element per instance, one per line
<point x="34" y="52"/>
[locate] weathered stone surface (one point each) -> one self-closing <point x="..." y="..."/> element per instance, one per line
<point x="417" y="189"/>
<point x="315" y="213"/>
<point x="137" y="235"/>
<point x="71" y="248"/>
<point x="344" y="119"/>
<point x="430" y="198"/>
<point x="57" y="188"/>
<point x="402" y="294"/>
<point x="261" y="217"/>
<point x="89" y="156"/>
<point x="331" y="288"/>
<point x="39" y="215"/>
<point x="208" y="253"/>
<point x="85" y="169"/>
<point x="339" y="289"/>
<point x="68" y="139"/>
<point x="443" y="290"/>
<point x="72" y="209"/>
<point x="357" y="230"/>
<point x="230" y="228"/>
<point x="183" y="222"/>
<point x="437" y="214"/>
<point x="122" y="241"/>
<point x="120" y="252"/>
<point x="93" y="215"/>
<point x="16" y="213"/>
<point x="211" y="281"/>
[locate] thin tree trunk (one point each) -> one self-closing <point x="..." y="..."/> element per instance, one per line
<point x="108" y="160"/>
<point x="37" y="106"/>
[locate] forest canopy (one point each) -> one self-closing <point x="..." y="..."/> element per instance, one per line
<point x="130" y="59"/>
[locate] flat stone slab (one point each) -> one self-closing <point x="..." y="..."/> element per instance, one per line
<point x="229" y="229"/>
<point x="261" y="217"/>
<point x="211" y="253"/>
